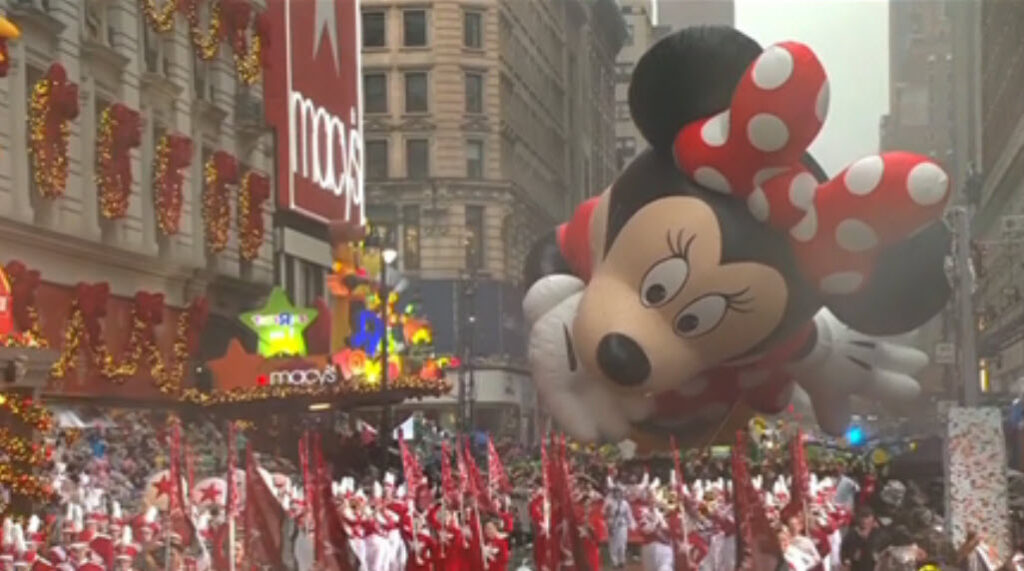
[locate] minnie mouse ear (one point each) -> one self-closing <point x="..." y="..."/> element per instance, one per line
<point x="686" y="76"/>
<point x="908" y="287"/>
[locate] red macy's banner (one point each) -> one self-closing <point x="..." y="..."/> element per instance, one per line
<point x="312" y="93"/>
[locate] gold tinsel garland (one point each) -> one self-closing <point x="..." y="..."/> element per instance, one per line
<point x="22" y="450"/>
<point x="140" y="348"/>
<point x="173" y="153"/>
<point x="25" y="485"/>
<point x="351" y="387"/>
<point x="161" y="18"/>
<point x="249" y="64"/>
<point x="219" y="171"/>
<point x="252" y="192"/>
<point x="118" y="133"/>
<point x="48" y="150"/>
<point x="206" y="44"/>
<point x="25" y="410"/>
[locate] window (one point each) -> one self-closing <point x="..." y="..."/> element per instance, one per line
<point x="97" y="23"/>
<point x="629" y="35"/>
<point x="417" y="158"/>
<point x="411" y="237"/>
<point x="154" y="51"/>
<point x="474" y="237"/>
<point x="375" y="93"/>
<point x="474" y="93"/>
<point x="374" y="26"/>
<point x="312" y="283"/>
<point x="622" y="111"/>
<point x="376" y="160"/>
<point x="475" y="159"/>
<point x="416" y="92"/>
<point x="414" y="26"/>
<point x="472" y="30"/>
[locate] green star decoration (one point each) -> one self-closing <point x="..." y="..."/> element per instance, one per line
<point x="280" y="326"/>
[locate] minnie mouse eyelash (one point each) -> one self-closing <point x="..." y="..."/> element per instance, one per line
<point x="678" y="247"/>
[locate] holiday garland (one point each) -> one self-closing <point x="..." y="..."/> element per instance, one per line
<point x="120" y="131"/>
<point x="205" y="43"/>
<point x="84" y="324"/>
<point x="52" y="106"/>
<point x="253" y="192"/>
<point x="220" y="171"/>
<point x="250" y="54"/>
<point x="23" y="291"/>
<point x="173" y="153"/>
<point x="160" y="18"/>
<point x="21" y="454"/>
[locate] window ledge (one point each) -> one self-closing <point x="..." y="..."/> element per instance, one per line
<point x="375" y="49"/>
<point x="474" y="51"/>
<point x="414" y="49"/>
<point x="160" y="84"/>
<point x="104" y="54"/>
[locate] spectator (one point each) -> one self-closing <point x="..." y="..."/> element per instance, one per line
<point x="858" y="551"/>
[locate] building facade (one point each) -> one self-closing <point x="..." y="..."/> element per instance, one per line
<point x="999" y="200"/>
<point x="641" y="34"/>
<point x="124" y="233"/>
<point x="932" y="62"/>
<point x="484" y="124"/>
<point x="682" y="13"/>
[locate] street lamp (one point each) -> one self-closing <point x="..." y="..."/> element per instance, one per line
<point x="387" y="257"/>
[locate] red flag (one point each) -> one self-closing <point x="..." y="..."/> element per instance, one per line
<point x="333" y="545"/>
<point x="232" y="500"/>
<point x="477" y="489"/>
<point x="410" y="469"/>
<point x="447" y="484"/>
<point x="801" y="489"/>
<point x="264" y="518"/>
<point x="757" y="544"/>
<point x="309" y="486"/>
<point x="498" y="480"/>
<point x="181" y="523"/>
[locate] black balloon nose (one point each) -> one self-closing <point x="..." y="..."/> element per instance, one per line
<point x="622" y="360"/>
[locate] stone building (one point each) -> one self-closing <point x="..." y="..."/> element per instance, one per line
<point x="681" y="13"/>
<point x="932" y="58"/>
<point x="641" y="33"/>
<point x="484" y="124"/>
<point x="1000" y="202"/>
<point x="112" y="53"/>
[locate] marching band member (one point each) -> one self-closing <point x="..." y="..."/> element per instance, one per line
<point x="656" y="553"/>
<point x="496" y="552"/>
<point x="619" y="515"/>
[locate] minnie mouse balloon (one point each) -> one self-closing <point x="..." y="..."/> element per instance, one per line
<point x="723" y="268"/>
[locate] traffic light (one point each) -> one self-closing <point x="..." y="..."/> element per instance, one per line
<point x="855" y="436"/>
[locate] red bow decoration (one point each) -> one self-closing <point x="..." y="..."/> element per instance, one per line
<point x="23" y="291"/>
<point x="64" y="92"/>
<point x="753" y="149"/>
<point x="92" y="302"/>
<point x="149" y="308"/>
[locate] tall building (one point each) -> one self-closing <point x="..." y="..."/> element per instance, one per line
<point x="932" y="58"/>
<point x="641" y="33"/>
<point x="484" y="124"/>
<point x="114" y="221"/>
<point x="682" y="13"/>
<point x="1000" y="202"/>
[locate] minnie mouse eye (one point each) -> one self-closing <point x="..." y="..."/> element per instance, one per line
<point x="663" y="281"/>
<point x="701" y="316"/>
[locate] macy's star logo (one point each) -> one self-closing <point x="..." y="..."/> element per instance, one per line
<point x="326" y="17"/>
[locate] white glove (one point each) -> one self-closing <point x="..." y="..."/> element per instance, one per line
<point x="585" y="406"/>
<point x="844" y="362"/>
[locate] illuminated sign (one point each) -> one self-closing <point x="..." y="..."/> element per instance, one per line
<point x="304" y="378"/>
<point x="312" y="93"/>
<point x="280" y="326"/>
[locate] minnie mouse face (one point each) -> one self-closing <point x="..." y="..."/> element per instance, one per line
<point x="656" y="313"/>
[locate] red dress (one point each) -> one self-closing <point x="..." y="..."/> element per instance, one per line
<point x="496" y="554"/>
<point x="541" y="533"/>
<point x="588" y="537"/>
<point x="421" y="553"/>
<point x="447" y="553"/>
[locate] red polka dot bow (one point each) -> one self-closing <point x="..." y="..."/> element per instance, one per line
<point x="753" y="151"/>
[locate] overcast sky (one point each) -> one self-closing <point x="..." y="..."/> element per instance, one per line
<point x="851" y="37"/>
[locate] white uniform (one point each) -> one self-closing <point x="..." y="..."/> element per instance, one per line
<point x="655" y="555"/>
<point x="619" y="515"/>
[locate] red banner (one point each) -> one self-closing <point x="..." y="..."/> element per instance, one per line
<point x="312" y="99"/>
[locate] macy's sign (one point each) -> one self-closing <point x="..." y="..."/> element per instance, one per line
<point x="326" y="150"/>
<point x="304" y="378"/>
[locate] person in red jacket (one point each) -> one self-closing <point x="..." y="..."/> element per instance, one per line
<point x="495" y="548"/>
<point x="540" y="515"/>
<point x="421" y="551"/>
<point x="447" y="552"/>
